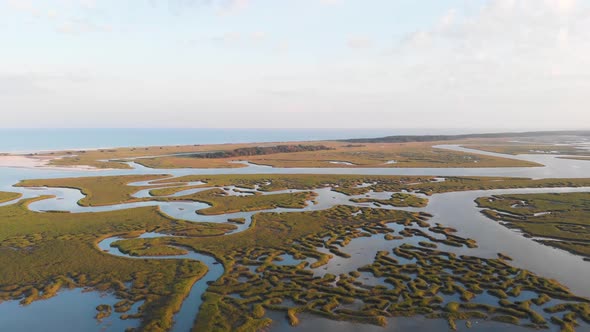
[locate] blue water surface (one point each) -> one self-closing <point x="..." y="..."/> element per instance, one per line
<point x="32" y="140"/>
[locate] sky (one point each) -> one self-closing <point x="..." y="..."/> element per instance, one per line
<point x="295" y="63"/>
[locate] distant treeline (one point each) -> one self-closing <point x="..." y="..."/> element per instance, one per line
<point x="433" y="138"/>
<point x="260" y="150"/>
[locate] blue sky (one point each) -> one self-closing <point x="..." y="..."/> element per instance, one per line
<point x="295" y="63"/>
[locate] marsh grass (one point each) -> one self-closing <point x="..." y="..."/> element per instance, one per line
<point x="560" y="220"/>
<point x="98" y="190"/>
<point x="418" y="288"/>
<point x="222" y="203"/>
<point x="410" y="154"/>
<point x="397" y="200"/>
<point x="8" y="196"/>
<point x="41" y="253"/>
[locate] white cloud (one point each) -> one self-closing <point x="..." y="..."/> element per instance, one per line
<point x="233" y="6"/>
<point x="258" y="35"/>
<point x="19" y="85"/>
<point x="77" y="26"/>
<point x="66" y="20"/>
<point x="562" y="6"/>
<point x="90" y="4"/>
<point x="527" y="37"/>
<point x="282" y="46"/>
<point x="52" y="13"/>
<point x="228" y="37"/>
<point x="359" y="42"/>
<point x="330" y="2"/>
<point x="236" y="38"/>
<point x="25" y="6"/>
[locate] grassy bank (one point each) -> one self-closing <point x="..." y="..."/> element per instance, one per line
<point x="8" y="196"/>
<point x="562" y="217"/>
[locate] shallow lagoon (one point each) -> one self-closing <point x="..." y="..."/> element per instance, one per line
<point x="71" y="310"/>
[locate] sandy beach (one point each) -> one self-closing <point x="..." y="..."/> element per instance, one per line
<point x="21" y="161"/>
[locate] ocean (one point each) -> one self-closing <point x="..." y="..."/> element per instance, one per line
<point x="33" y="140"/>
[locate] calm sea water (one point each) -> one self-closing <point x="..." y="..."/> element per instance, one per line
<point x="30" y="140"/>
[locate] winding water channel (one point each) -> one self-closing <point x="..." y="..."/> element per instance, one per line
<point x="456" y="209"/>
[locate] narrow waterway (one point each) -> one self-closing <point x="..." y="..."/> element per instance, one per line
<point x="457" y="210"/>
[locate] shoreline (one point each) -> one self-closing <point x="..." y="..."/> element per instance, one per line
<point x="38" y="162"/>
<point x="43" y="151"/>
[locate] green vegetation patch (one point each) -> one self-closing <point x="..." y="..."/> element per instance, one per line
<point x="99" y="190"/>
<point x="145" y="248"/>
<point x="397" y="199"/>
<point x="222" y="203"/>
<point x="8" y="196"/>
<point x="260" y="150"/>
<point x="562" y="216"/>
